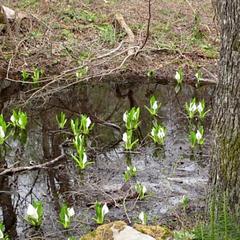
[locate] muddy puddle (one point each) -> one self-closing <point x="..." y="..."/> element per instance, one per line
<point x="168" y="173"/>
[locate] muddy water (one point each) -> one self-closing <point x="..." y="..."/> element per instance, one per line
<point x="169" y="173"/>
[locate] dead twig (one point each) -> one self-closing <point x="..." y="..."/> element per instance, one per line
<point x="125" y="208"/>
<point x="7" y="15"/>
<point x="11" y="171"/>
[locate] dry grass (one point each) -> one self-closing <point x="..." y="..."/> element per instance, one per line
<point x="64" y="35"/>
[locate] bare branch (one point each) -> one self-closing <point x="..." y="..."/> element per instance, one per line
<point x="11" y="171"/>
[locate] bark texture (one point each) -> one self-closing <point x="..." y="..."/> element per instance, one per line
<point x="225" y="164"/>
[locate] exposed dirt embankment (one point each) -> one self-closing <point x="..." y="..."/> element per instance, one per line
<point x="71" y="42"/>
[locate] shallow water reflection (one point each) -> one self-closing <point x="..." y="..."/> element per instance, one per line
<point x="167" y="173"/>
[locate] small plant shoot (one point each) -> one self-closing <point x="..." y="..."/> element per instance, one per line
<point x="129" y="173"/>
<point x="101" y="211"/>
<point x="37" y="73"/>
<point x="25" y="75"/>
<point x="201" y="110"/>
<point x="127" y="139"/>
<point x="131" y="118"/>
<point x="81" y="156"/>
<point x="34" y="214"/>
<point x="196" y="137"/>
<point x="183" y="235"/>
<point x="158" y="134"/>
<point x="3" y="130"/>
<point x="141" y="190"/>
<point x="185" y="202"/>
<point x="179" y="80"/>
<point x="199" y="78"/>
<point x="19" y="119"/>
<point x="191" y="108"/>
<point x="196" y="109"/>
<point x="82" y="72"/>
<point x="154" y="106"/>
<point x="143" y="218"/>
<point x="72" y="238"/>
<point x="82" y="125"/>
<point x="1" y="231"/>
<point x="3" y="236"/>
<point x="61" y="120"/>
<point x="65" y="216"/>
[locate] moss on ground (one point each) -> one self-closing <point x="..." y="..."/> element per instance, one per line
<point x="105" y="232"/>
<point x="157" y="232"/>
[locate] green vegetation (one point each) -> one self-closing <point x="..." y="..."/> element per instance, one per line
<point x="3" y="236"/>
<point x="222" y="225"/>
<point x="107" y="34"/>
<point x="131" y="118"/>
<point x="69" y="39"/>
<point x="61" y="120"/>
<point x="141" y="190"/>
<point x="25" y="75"/>
<point x="15" y="127"/>
<point x="129" y="173"/>
<point x="81" y="127"/>
<point x="154" y="106"/>
<point x="72" y="14"/>
<point x="101" y="211"/>
<point x="158" y="133"/>
<point x="143" y="218"/>
<point x="34" y="215"/>
<point x="28" y="3"/>
<point x="179" y="79"/>
<point x="82" y="72"/>
<point x="66" y="215"/>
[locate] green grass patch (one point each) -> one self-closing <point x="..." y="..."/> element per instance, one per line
<point x="28" y="3"/>
<point x="108" y="34"/>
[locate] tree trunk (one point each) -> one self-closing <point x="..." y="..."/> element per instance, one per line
<point x="225" y="161"/>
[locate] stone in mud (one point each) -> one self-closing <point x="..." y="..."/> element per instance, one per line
<point x="119" y="230"/>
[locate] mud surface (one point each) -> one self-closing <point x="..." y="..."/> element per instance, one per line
<point x="169" y="173"/>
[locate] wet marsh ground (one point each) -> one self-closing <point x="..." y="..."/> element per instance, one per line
<point x="169" y="173"/>
<point x="80" y="41"/>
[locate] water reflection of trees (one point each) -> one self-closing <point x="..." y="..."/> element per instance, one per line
<point x="6" y="203"/>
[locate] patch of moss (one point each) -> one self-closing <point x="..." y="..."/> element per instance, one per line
<point x="158" y="232"/>
<point x="104" y="232"/>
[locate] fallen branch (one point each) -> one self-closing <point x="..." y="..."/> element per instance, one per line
<point x="116" y="196"/>
<point x="127" y="29"/>
<point x="6" y="14"/>
<point x="11" y="171"/>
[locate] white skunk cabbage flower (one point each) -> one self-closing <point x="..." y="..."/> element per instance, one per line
<point x="161" y="133"/>
<point x="1" y="234"/>
<point x="125" y="117"/>
<point x="177" y="76"/>
<point x="84" y="158"/>
<point x="155" y="105"/>
<point x="2" y="133"/>
<point x="105" y="209"/>
<point x="71" y="212"/>
<point x="198" y="135"/>
<point x="88" y="122"/>
<point x="192" y="107"/>
<point x="200" y="107"/>
<point x="144" y="189"/>
<point x="32" y="212"/>
<point x="125" y="137"/>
